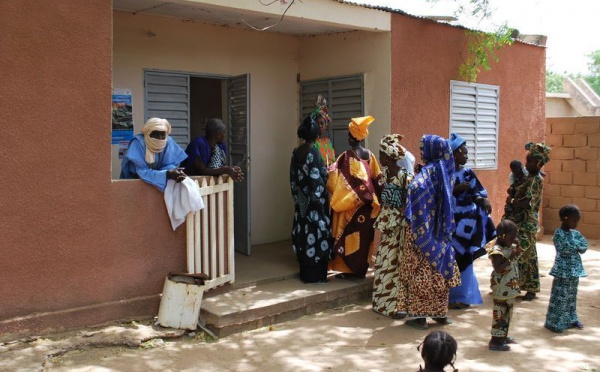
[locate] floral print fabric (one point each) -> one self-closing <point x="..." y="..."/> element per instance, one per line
<point x="311" y="236"/>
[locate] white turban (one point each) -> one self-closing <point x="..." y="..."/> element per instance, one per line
<point x="155" y="145"/>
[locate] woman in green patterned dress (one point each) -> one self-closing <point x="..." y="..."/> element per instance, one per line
<point x="389" y="293"/>
<point x="524" y="211"/>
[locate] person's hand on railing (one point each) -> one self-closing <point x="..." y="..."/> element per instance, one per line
<point x="176" y="175"/>
<point x="235" y="173"/>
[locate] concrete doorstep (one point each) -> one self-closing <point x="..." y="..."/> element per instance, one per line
<point x="275" y="302"/>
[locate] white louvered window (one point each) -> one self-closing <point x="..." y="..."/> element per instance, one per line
<point x="474" y="115"/>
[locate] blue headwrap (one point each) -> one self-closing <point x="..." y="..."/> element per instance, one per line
<point x="456" y="141"/>
<point x="430" y="208"/>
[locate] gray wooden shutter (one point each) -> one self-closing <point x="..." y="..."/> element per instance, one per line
<point x="345" y="100"/>
<point x="167" y="95"/>
<point x="474" y="115"/>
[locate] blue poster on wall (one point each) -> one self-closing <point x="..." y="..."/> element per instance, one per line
<point x="122" y="116"/>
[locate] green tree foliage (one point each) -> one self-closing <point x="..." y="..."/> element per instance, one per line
<point x="593" y="79"/>
<point x="482" y="50"/>
<point x="554" y="82"/>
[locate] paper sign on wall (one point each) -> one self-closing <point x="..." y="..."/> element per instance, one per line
<point x="122" y="116"/>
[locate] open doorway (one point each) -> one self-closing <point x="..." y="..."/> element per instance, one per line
<point x="187" y="101"/>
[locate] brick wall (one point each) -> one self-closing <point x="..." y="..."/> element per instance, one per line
<point x="573" y="173"/>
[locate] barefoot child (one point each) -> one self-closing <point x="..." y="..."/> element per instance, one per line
<point x="505" y="282"/>
<point x="567" y="269"/>
<point x="438" y="350"/>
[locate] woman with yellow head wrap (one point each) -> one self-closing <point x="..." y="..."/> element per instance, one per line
<point x="389" y="291"/>
<point x="354" y="188"/>
<point x="524" y="212"/>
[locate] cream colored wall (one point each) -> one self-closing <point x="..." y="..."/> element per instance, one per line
<point x="559" y="107"/>
<point x="352" y="53"/>
<point x="149" y="42"/>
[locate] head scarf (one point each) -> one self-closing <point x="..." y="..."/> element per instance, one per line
<point x="155" y="145"/>
<point x="539" y="150"/>
<point x="408" y="162"/>
<point x="359" y="127"/>
<point x="456" y="141"/>
<point x="430" y="208"/>
<point x="321" y="109"/>
<point x="390" y="145"/>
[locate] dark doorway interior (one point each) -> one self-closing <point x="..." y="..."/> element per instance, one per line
<point x="206" y="101"/>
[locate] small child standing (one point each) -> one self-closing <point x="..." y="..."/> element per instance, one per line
<point x="567" y="269"/>
<point x="438" y="350"/>
<point x="505" y="282"/>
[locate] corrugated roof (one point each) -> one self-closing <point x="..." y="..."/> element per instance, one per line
<point x="401" y="12"/>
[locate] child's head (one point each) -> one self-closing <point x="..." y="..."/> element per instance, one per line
<point x="507" y="232"/>
<point x="438" y="350"/>
<point x="569" y="216"/>
<point x="516" y="167"/>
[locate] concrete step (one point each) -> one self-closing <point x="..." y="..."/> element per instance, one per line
<point x="275" y="302"/>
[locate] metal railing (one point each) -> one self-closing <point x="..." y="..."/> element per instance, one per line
<point x="210" y="248"/>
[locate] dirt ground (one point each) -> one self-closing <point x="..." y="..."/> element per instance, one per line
<point x="344" y="339"/>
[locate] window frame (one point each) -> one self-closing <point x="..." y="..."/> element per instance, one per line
<point x="485" y="100"/>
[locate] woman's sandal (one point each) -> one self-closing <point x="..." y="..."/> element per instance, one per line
<point x="510" y="340"/>
<point x="529" y="296"/>
<point x="577" y="324"/>
<point x="458" y="306"/>
<point x="444" y="321"/>
<point x="414" y="323"/>
<point x="398" y="315"/>
<point x="499" y="347"/>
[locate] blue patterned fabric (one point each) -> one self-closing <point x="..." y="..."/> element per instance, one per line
<point x="134" y="163"/>
<point x="430" y="208"/>
<point x="569" y="245"/>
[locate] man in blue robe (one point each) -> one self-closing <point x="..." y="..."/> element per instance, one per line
<point x="153" y="156"/>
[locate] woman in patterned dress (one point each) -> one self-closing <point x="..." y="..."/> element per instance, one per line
<point x="474" y="225"/>
<point x="397" y="174"/>
<point x="354" y="188"/>
<point x="323" y="143"/>
<point x="428" y="265"/>
<point x="524" y="212"/>
<point x="311" y="229"/>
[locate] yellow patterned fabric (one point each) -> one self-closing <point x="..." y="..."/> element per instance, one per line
<point x="354" y="188"/>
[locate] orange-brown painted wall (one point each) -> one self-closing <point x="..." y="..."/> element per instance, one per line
<point x="77" y="248"/>
<point x="426" y="56"/>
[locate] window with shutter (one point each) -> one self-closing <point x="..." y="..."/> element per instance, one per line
<point x="474" y="115"/>
<point x="345" y="100"/>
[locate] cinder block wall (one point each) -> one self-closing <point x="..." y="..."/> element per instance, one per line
<point x="573" y="173"/>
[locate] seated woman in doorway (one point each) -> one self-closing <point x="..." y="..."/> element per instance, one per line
<point x="153" y="156"/>
<point x="207" y="156"/>
<point x="355" y="190"/>
<point x="311" y="230"/>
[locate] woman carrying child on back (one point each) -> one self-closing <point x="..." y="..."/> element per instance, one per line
<point x="505" y="282"/>
<point x="567" y="269"/>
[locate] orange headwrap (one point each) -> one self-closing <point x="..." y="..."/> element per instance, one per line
<point x="359" y="127"/>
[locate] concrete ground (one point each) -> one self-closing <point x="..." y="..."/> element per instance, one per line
<point x="342" y="339"/>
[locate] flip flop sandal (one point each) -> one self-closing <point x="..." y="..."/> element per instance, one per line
<point x="445" y="321"/>
<point x="510" y="340"/>
<point x="413" y="323"/>
<point x="458" y="306"/>
<point x="529" y="296"/>
<point x="500" y="347"/>
<point x="577" y="325"/>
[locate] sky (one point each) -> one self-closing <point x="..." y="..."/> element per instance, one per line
<point x="572" y="26"/>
